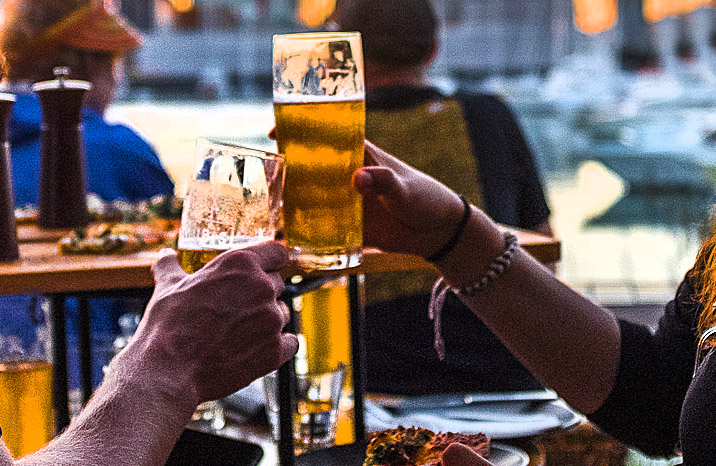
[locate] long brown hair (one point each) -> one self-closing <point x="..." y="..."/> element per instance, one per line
<point x="704" y="277"/>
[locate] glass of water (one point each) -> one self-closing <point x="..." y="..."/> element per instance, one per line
<point x="315" y="407"/>
<point x="234" y="200"/>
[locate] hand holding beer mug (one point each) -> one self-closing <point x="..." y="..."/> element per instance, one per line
<point x="233" y="201"/>
<point x="319" y="106"/>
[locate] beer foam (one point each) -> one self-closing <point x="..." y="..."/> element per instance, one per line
<point x="316" y="99"/>
<point x="222" y="243"/>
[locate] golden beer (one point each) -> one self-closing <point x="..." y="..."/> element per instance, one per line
<point x="323" y="145"/>
<point x="192" y="260"/>
<point x="324" y="321"/>
<point x="26" y="414"/>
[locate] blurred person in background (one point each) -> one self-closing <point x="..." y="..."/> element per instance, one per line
<point x="473" y="144"/>
<point x="39" y="35"/>
<point x="90" y="39"/>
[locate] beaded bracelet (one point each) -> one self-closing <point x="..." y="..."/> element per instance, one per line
<point x="497" y="267"/>
<point x="441" y="288"/>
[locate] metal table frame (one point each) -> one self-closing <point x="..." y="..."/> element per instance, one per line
<point x="58" y="324"/>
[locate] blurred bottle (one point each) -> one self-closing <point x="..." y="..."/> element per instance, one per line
<point x="325" y="326"/>
<point x="26" y="413"/>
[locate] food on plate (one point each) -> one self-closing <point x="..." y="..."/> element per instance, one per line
<point x="25" y="214"/>
<point x="118" y="211"/>
<point x="418" y="447"/>
<point x="120" y="238"/>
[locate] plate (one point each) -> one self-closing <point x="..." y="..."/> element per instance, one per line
<point x="498" y="420"/>
<point x="354" y="454"/>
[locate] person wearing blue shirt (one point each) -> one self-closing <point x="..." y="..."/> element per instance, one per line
<point x="90" y="39"/>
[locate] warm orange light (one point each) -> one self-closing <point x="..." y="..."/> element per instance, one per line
<point x="691" y="5"/>
<point x="182" y="6"/>
<point x="593" y="16"/>
<point x="656" y="10"/>
<point x="313" y="13"/>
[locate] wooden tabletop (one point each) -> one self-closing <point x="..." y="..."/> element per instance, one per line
<point x="42" y="270"/>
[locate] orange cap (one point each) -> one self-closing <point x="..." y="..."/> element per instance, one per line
<point x="31" y="29"/>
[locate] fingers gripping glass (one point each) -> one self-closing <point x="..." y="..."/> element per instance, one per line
<point x="234" y="200"/>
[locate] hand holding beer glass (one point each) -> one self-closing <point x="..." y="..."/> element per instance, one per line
<point x="233" y="201"/>
<point x="319" y="106"/>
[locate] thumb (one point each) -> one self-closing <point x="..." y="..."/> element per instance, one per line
<point x="377" y="181"/>
<point x="166" y="270"/>
<point x="458" y="454"/>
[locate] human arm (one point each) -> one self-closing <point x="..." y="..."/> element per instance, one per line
<point x="203" y="336"/>
<point x="406" y="211"/>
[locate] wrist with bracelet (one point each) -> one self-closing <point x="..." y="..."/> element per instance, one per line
<point x="441" y="288"/>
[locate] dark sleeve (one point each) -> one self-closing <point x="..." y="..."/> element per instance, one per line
<point x="511" y="184"/>
<point x="655" y="370"/>
<point x="532" y="205"/>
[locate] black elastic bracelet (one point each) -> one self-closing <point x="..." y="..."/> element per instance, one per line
<point x="452" y="242"/>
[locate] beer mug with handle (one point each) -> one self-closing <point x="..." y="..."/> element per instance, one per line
<point x="233" y="201"/>
<point x="319" y="107"/>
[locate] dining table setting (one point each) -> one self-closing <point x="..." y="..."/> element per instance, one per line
<point x="71" y="246"/>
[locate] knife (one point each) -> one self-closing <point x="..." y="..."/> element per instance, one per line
<point x="454" y="400"/>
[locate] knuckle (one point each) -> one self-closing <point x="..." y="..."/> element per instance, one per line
<point x="274" y="352"/>
<point x="274" y="319"/>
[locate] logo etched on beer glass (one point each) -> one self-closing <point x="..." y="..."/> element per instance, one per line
<point x="233" y="201"/>
<point x="319" y="107"/>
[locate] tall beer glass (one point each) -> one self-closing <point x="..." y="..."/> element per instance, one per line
<point x="233" y="201"/>
<point x="319" y="106"/>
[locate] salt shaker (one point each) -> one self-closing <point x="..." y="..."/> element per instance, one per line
<point x="63" y="202"/>
<point x="8" y="233"/>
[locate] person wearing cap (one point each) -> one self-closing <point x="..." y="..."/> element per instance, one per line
<point x="39" y="35"/>
<point x="473" y="144"/>
<point x="84" y="35"/>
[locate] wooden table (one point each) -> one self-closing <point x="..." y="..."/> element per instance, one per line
<point x="42" y="270"/>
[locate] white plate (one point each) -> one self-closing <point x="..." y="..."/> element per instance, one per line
<point x="498" y="420"/>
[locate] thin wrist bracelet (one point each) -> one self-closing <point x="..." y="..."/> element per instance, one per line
<point x="452" y="242"/>
<point x="441" y="288"/>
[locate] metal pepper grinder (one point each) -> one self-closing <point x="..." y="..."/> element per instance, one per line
<point x="63" y="199"/>
<point x="8" y="233"/>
